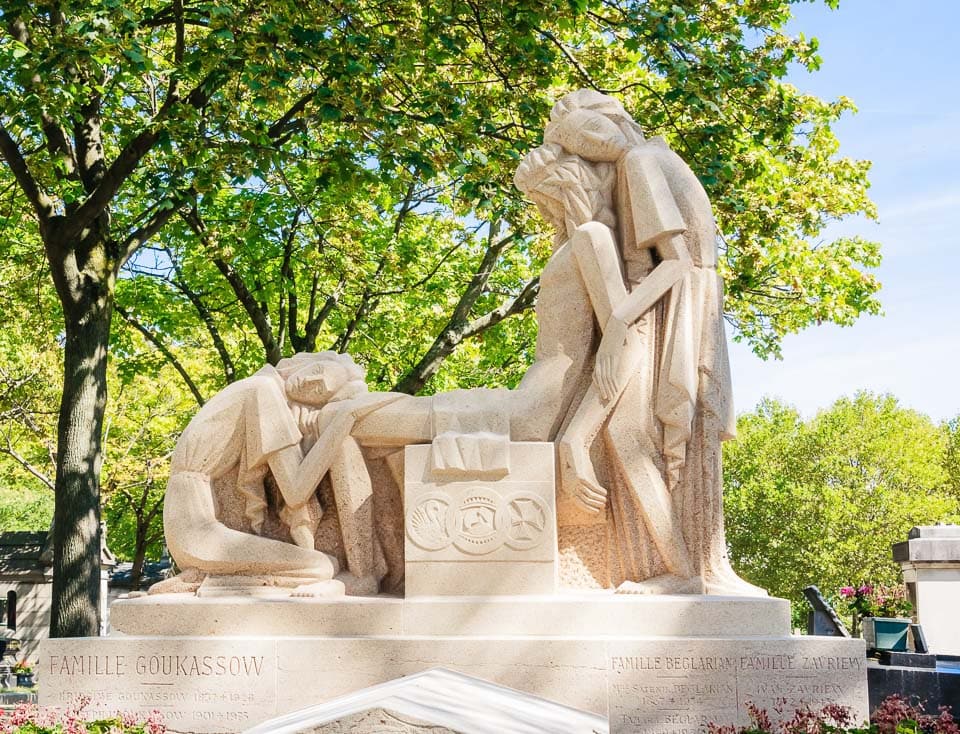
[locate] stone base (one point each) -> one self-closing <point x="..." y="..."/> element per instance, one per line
<point x="657" y="664"/>
<point x="581" y="614"/>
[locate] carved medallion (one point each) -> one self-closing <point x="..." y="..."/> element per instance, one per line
<point x="479" y="522"/>
<point x="428" y="522"/>
<point x="528" y="516"/>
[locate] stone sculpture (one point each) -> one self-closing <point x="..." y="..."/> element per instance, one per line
<point x="251" y="427"/>
<point x="630" y="383"/>
<point x="599" y="473"/>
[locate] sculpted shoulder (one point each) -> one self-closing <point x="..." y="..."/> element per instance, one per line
<point x="691" y="200"/>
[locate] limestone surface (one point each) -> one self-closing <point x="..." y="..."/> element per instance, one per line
<point x="638" y="684"/>
<point x="296" y="472"/>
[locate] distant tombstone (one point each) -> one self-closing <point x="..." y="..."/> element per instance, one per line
<point x="919" y="639"/>
<point x="822" y="619"/>
<point x="930" y="560"/>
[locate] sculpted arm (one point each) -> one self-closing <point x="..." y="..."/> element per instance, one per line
<point x="297" y="475"/>
<point x="675" y="263"/>
<point x="599" y="264"/>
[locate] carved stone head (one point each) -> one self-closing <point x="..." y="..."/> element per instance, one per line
<point x="592" y="125"/>
<point x="316" y="379"/>
<point x="568" y="190"/>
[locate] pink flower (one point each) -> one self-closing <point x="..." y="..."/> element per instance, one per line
<point x="865" y="589"/>
<point x="847" y="591"/>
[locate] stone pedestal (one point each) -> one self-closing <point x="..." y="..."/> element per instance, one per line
<point x="930" y="560"/>
<point x="481" y="537"/>
<point x="646" y="664"/>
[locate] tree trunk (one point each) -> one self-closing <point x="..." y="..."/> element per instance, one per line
<point x="139" y="556"/>
<point x="76" y="528"/>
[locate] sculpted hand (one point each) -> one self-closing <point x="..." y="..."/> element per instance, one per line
<point x="579" y="479"/>
<point x="312" y="422"/>
<point x="605" y="371"/>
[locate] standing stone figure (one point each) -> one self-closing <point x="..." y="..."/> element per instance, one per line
<point x="661" y="392"/>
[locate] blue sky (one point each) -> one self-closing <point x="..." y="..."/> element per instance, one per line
<point x="900" y="63"/>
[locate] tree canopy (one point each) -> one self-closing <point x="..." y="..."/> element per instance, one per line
<point x="241" y="180"/>
<point x="821" y="501"/>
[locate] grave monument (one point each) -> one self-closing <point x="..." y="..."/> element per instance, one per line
<point x="563" y="539"/>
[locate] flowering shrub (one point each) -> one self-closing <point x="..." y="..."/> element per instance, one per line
<point x="831" y="718"/>
<point x="875" y="601"/>
<point x="895" y="715"/>
<point x="33" y="719"/>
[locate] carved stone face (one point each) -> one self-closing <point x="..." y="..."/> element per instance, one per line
<point x="588" y="134"/>
<point x="318" y="383"/>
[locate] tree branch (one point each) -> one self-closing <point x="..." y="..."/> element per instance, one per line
<point x="146" y="231"/>
<point x="277" y="129"/>
<point x="229" y="370"/>
<point x="88" y="142"/>
<point x="132" y="153"/>
<point x="288" y="290"/>
<point x="523" y="301"/>
<point x="162" y="348"/>
<point x="21" y="172"/>
<point x="312" y="329"/>
<point x="456" y="328"/>
<point x="12" y="453"/>
<point x="585" y="75"/>
<point x="259" y="317"/>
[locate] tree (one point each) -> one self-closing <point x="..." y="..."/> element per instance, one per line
<point x="821" y="501"/>
<point x="117" y="118"/>
<point x="311" y="211"/>
<point x="144" y="422"/>
<point x="101" y="107"/>
<point x="30" y="369"/>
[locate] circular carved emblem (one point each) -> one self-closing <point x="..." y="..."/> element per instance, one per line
<point x="479" y="524"/>
<point x="527" y="518"/>
<point x="429" y="520"/>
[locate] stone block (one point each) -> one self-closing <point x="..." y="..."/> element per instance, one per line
<point x="483" y="537"/>
<point x="679" y="686"/>
<point x="930" y="560"/>
<point x="580" y="614"/>
<point x="184" y="615"/>
<point x="667" y="684"/>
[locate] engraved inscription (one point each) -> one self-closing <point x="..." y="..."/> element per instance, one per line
<point x="157" y="665"/>
<point x="197" y="685"/>
<point x="654" y="687"/>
